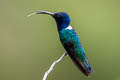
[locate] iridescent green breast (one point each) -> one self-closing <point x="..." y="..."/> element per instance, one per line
<point x="68" y="35"/>
<point x="72" y="45"/>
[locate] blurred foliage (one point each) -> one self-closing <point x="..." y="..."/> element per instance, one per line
<point x="28" y="46"/>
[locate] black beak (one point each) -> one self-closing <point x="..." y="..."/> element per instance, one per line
<point x="45" y="12"/>
<point x="41" y="12"/>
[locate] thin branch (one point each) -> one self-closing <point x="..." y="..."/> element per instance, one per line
<point x="52" y="66"/>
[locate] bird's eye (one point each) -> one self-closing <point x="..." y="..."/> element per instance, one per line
<point x="59" y="15"/>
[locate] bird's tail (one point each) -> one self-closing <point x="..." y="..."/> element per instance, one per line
<point x="84" y="66"/>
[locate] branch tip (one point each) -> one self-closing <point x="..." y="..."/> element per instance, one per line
<point x="53" y="64"/>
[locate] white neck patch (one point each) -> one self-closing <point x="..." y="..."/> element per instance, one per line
<point x="69" y="27"/>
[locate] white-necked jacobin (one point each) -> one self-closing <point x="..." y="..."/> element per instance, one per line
<point x="70" y="41"/>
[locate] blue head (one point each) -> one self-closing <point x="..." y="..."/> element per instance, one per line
<point x="62" y="19"/>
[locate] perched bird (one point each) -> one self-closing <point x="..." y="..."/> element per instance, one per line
<point x="70" y="40"/>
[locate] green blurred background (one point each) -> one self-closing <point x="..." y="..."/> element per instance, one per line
<point x="28" y="46"/>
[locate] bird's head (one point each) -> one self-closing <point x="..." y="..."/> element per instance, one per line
<point x="62" y="18"/>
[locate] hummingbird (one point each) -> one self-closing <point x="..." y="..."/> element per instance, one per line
<point x="70" y="40"/>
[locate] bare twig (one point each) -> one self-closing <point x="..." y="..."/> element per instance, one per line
<point x="52" y="66"/>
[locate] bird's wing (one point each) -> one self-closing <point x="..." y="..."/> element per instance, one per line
<point x="74" y="49"/>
